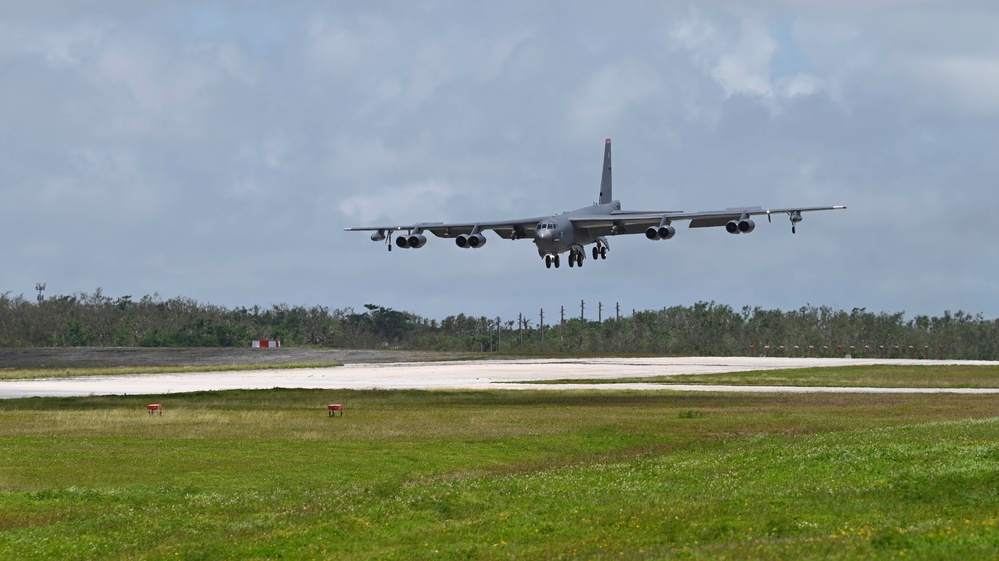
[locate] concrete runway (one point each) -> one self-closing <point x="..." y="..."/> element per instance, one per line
<point x="468" y="375"/>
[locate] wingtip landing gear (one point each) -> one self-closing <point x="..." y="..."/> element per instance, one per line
<point x="795" y="218"/>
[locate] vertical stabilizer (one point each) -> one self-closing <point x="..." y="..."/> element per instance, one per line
<point x="605" y="181"/>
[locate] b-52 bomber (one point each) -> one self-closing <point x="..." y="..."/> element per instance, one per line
<point x="571" y="231"/>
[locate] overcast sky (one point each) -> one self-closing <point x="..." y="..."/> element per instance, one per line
<point x="216" y="150"/>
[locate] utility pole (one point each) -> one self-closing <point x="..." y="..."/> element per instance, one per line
<point x="499" y="332"/>
<point x="582" y="308"/>
<point x="520" y="328"/>
<point x="541" y="327"/>
<point x="617" y="310"/>
<point x="600" y="312"/>
<point x="562" y="315"/>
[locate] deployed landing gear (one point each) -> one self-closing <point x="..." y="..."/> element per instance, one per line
<point x="576" y="257"/>
<point x="599" y="251"/>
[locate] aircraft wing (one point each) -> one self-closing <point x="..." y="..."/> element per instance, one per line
<point x="509" y="229"/>
<point x="638" y="222"/>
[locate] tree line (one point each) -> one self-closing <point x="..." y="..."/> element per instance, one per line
<point x="702" y="329"/>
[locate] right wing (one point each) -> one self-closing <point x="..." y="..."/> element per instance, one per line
<point x="508" y="229"/>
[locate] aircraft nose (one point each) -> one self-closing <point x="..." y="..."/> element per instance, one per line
<point x="545" y="240"/>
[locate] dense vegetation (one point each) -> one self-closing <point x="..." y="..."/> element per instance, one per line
<point x="705" y="328"/>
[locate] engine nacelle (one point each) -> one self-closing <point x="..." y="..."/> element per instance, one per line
<point x="461" y="241"/>
<point x="476" y="241"/>
<point x="378" y="236"/>
<point x="732" y="227"/>
<point x="666" y="232"/>
<point x="652" y="233"/>
<point x="402" y="241"/>
<point x="416" y="241"/>
<point x="746" y="226"/>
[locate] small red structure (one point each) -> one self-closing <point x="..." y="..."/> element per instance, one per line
<point x="265" y="344"/>
<point x="333" y="408"/>
<point x="155" y="407"/>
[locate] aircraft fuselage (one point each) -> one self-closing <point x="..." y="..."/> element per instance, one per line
<point x="556" y="234"/>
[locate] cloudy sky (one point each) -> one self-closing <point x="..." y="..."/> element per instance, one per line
<point x="216" y="150"/>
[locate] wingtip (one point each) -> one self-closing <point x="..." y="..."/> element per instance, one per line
<point x="608" y="141"/>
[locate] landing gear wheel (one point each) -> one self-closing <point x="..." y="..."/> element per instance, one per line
<point x="579" y="259"/>
<point x="548" y="261"/>
<point x="603" y="253"/>
<point x="596" y="252"/>
<point x="556" y="261"/>
<point x="572" y="260"/>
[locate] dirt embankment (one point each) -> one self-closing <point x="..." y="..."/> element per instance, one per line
<point x="131" y="356"/>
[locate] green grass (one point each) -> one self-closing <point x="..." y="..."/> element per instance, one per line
<point x="877" y="376"/>
<point x="499" y="475"/>
<point x="36" y="373"/>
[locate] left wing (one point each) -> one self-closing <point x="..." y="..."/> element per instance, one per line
<point x="735" y="220"/>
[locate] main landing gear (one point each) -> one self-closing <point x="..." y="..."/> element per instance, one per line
<point x="576" y="256"/>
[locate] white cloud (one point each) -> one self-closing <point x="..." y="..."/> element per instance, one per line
<point x="739" y="62"/>
<point x="968" y="82"/>
<point x="612" y="92"/>
<point x="406" y="204"/>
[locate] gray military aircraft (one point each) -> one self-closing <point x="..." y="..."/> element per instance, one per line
<point x="573" y="230"/>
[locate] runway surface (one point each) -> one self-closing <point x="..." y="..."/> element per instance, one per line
<point x="468" y="375"/>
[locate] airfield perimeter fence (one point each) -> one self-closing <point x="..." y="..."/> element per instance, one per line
<point x="702" y="329"/>
<point x="925" y="352"/>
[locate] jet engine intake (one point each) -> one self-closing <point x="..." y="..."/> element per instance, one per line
<point x="416" y="241"/>
<point x="732" y="227"/>
<point x="476" y="241"/>
<point x="402" y="241"/>
<point x="665" y="232"/>
<point x="473" y="241"/>
<point x="746" y="226"/>
<point x="652" y="233"/>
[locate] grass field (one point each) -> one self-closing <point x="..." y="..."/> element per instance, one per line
<point x="500" y="475"/>
<point x="877" y="376"/>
